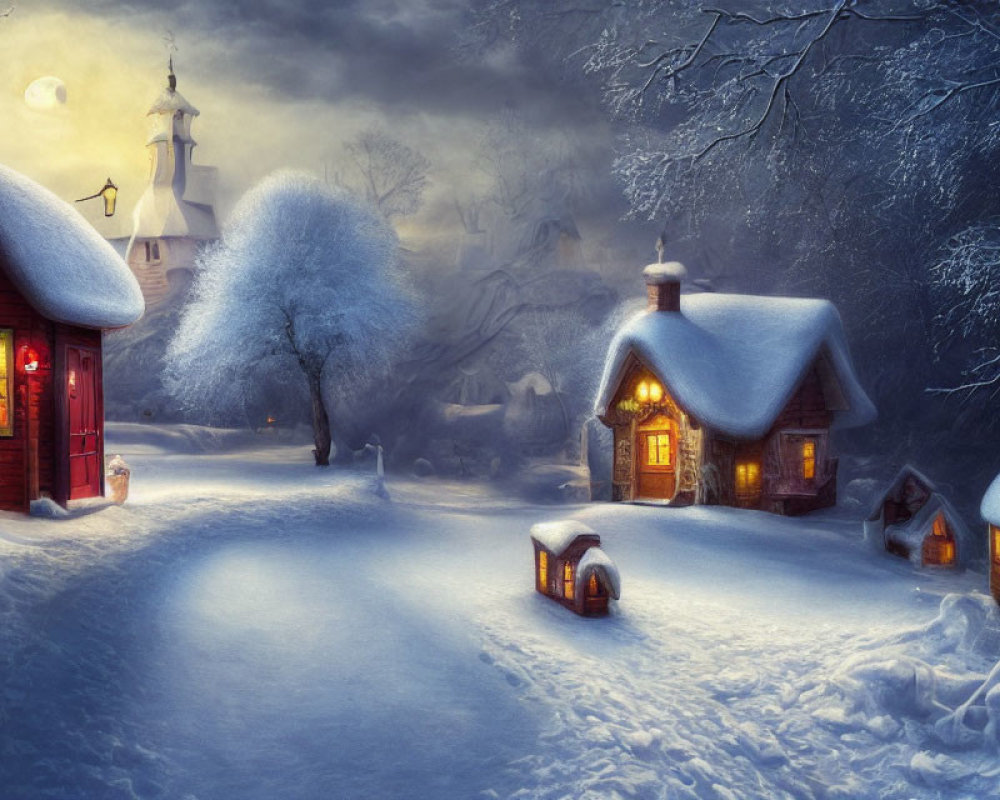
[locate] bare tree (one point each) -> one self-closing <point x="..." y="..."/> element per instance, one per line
<point x="391" y="175"/>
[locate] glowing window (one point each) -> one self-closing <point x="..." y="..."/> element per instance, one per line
<point x="809" y="459"/>
<point x="568" y="581"/>
<point x="995" y="531"/>
<point x="748" y="478"/>
<point x="543" y="569"/>
<point x="655" y="392"/>
<point x="658" y="449"/>
<point x="592" y="588"/>
<point x="6" y="382"/>
<point x="642" y="392"/>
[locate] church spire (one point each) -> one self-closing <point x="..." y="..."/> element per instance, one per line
<point x="171" y="78"/>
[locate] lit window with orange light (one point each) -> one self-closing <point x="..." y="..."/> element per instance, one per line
<point x="592" y="588"/>
<point x="6" y="382"/>
<point x="995" y="533"/>
<point x="543" y="569"/>
<point x="658" y="449"/>
<point x="568" y="581"/>
<point x="809" y="459"/>
<point x="747" y="478"/>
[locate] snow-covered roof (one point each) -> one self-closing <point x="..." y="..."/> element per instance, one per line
<point x="665" y="273"/>
<point x="61" y="265"/>
<point x="895" y="488"/>
<point x="734" y="361"/>
<point x="557" y="536"/>
<point x="161" y="213"/>
<point x="596" y="560"/>
<point x="169" y="101"/>
<point x="990" y="509"/>
<point x="913" y="531"/>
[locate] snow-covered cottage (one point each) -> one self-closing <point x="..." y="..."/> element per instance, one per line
<point x="728" y="399"/>
<point x="913" y="520"/>
<point x="570" y="567"/>
<point x="61" y="284"/>
<point x="990" y="509"/>
<point x="174" y="216"/>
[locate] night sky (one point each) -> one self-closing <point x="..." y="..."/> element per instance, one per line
<point x="280" y="83"/>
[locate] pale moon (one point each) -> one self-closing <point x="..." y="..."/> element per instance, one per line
<point x="45" y="93"/>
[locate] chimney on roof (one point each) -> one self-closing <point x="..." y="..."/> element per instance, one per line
<point x="663" y="285"/>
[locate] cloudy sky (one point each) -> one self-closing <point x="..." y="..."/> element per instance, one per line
<point x="280" y="83"/>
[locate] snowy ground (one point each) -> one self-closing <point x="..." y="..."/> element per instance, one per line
<point x="251" y="627"/>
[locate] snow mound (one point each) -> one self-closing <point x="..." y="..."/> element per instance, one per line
<point x="734" y="361"/>
<point x="47" y="507"/>
<point x="59" y="262"/>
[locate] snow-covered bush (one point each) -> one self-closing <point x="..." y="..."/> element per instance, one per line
<point x="303" y="294"/>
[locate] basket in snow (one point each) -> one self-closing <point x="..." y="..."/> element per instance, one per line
<point x="570" y="567"/>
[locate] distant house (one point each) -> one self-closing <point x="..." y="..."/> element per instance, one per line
<point x="61" y="284"/>
<point x="728" y="399"/>
<point x="990" y="509"/>
<point x="571" y="568"/>
<point x="914" y="520"/>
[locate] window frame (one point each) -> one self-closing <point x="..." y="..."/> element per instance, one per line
<point x="7" y="354"/>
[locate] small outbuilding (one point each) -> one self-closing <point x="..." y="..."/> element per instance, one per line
<point x="61" y="284"/>
<point x="913" y="520"/>
<point x="571" y="568"/>
<point x="728" y="399"/>
<point x="990" y="509"/>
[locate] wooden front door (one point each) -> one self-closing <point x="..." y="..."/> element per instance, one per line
<point x="657" y="452"/>
<point x="82" y="396"/>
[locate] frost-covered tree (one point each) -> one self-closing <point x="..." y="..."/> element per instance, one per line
<point x="304" y="290"/>
<point x="391" y="175"/>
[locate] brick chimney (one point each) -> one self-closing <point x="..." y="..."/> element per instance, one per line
<point x="663" y="285"/>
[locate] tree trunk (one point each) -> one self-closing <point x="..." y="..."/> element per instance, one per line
<point x="321" y="422"/>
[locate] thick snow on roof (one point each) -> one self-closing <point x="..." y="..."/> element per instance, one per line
<point x="161" y="213"/>
<point x="595" y="559"/>
<point x="913" y="531"/>
<point x="990" y="509"/>
<point x="894" y="489"/>
<point x="169" y="101"/>
<point x="733" y="361"/>
<point x="61" y="265"/>
<point x="664" y="273"/>
<point x="557" y="536"/>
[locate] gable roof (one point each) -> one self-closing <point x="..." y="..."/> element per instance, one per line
<point x="734" y="361"/>
<point x="61" y="265"/>
<point x="990" y="509"/>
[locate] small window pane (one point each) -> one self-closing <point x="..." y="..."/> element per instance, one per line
<point x="6" y="382"/>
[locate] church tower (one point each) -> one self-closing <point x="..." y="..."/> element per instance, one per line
<point x="174" y="216"/>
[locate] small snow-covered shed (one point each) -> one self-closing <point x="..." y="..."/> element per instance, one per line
<point x="728" y="399"/>
<point x="913" y="520"/>
<point x="990" y="509"/>
<point x="570" y="567"/>
<point x="61" y="284"/>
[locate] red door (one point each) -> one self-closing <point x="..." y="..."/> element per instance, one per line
<point x="82" y="392"/>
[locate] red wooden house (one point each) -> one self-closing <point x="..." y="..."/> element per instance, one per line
<point x="990" y="510"/>
<point x="571" y="568"/>
<point x="61" y="284"/>
<point x="728" y="399"/>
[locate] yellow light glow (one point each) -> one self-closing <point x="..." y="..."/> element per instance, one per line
<point x="996" y="544"/>
<point x="642" y="392"/>
<point x="6" y="382"/>
<point x="110" y="195"/>
<point x="543" y="570"/>
<point x="568" y="581"/>
<point x="809" y="460"/>
<point x="655" y="392"/>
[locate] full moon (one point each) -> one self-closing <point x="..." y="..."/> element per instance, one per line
<point x="45" y="93"/>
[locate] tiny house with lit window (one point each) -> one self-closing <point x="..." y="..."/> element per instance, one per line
<point x="990" y="510"/>
<point x="572" y="569"/>
<point x="728" y="399"/>
<point x="61" y="284"/>
<point x="914" y="520"/>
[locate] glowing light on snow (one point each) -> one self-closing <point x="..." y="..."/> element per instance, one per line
<point x="45" y="94"/>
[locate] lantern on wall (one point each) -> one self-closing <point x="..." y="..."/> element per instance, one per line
<point x="109" y="193"/>
<point x="29" y="358"/>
